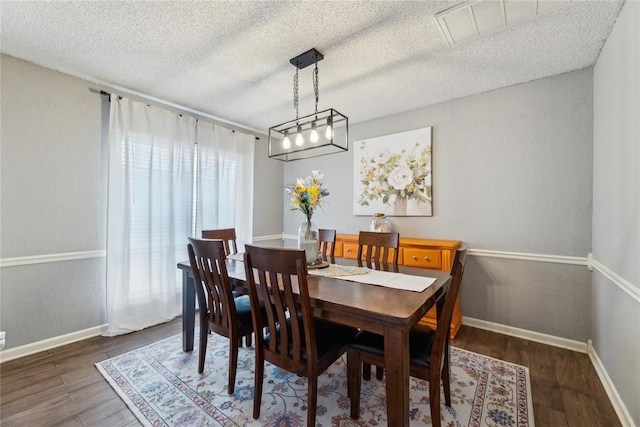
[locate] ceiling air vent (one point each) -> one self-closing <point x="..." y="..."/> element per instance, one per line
<point x="477" y="18"/>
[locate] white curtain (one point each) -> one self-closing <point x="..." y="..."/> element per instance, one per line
<point x="150" y="213"/>
<point x="225" y="181"/>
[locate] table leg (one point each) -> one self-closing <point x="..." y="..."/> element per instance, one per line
<point x="396" y="361"/>
<point x="188" y="311"/>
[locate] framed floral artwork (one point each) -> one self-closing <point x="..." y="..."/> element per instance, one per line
<point x="392" y="174"/>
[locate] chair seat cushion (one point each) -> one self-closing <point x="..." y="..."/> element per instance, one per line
<point x="420" y="342"/>
<point x="243" y="311"/>
<point x="330" y="337"/>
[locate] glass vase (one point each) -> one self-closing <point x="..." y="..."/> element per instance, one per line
<point x="308" y="240"/>
<point x="380" y="223"/>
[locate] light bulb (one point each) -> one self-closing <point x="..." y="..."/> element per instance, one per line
<point x="286" y="143"/>
<point x="314" y="133"/>
<point x="299" y="139"/>
<point x="329" y="132"/>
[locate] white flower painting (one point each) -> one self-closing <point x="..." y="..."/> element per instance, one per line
<point x="393" y="174"/>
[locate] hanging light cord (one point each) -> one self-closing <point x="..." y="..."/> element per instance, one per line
<point x="295" y="92"/>
<point x="316" y="83"/>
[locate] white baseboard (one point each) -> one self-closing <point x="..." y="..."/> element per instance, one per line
<point x="609" y="387"/>
<point x="48" y="344"/>
<point x="552" y="340"/>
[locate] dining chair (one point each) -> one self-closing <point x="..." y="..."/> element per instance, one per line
<point x="380" y="247"/>
<point x="294" y="340"/>
<point x="219" y="311"/>
<point x="227" y="235"/>
<point x="428" y="350"/>
<point x="376" y="255"/>
<point x="327" y="240"/>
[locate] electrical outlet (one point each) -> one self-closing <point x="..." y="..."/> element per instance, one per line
<point x="2" y="335"/>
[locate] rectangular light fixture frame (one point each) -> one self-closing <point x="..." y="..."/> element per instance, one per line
<point x="338" y="142"/>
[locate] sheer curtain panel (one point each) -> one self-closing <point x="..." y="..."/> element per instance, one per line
<point x="225" y="181"/>
<point x="150" y="213"/>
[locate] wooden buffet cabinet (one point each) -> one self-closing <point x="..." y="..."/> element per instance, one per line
<point x="423" y="253"/>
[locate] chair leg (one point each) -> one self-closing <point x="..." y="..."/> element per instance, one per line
<point x="247" y="340"/>
<point x="233" y="365"/>
<point x="379" y="373"/>
<point x="204" y="332"/>
<point x="366" y="371"/>
<point x="312" y="396"/>
<point x="353" y="378"/>
<point x="446" y="370"/>
<point x="434" y="399"/>
<point x="257" y="389"/>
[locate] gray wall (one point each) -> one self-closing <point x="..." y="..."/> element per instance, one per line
<point x="53" y="201"/>
<point x="512" y="172"/>
<point x="53" y="178"/>
<point x="616" y="206"/>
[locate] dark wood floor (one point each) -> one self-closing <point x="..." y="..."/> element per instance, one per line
<point x="63" y="387"/>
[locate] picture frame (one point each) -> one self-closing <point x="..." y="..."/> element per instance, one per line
<point x="392" y="174"/>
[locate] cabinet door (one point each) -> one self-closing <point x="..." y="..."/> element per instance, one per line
<point x="425" y="258"/>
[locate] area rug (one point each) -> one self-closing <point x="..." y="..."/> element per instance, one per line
<point x="161" y="385"/>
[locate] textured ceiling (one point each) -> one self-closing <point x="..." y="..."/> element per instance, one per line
<point x="231" y="59"/>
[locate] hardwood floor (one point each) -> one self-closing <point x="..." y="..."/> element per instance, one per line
<point x="63" y="387"/>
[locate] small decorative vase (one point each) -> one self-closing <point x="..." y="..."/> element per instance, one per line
<point x="380" y="223"/>
<point x="308" y="240"/>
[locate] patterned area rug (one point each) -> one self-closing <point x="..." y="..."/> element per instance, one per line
<point x="161" y="385"/>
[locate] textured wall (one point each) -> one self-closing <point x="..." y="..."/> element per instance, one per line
<point x="512" y="172"/>
<point x="267" y="214"/>
<point x="54" y="183"/>
<point x="53" y="161"/>
<point x="616" y="205"/>
<point x="53" y="199"/>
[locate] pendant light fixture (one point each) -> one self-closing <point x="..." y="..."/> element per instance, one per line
<point x="318" y="134"/>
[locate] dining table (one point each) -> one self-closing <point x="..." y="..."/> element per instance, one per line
<point x="382" y="310"/>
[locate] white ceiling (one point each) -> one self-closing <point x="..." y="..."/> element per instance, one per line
<point x="231" y="59"/>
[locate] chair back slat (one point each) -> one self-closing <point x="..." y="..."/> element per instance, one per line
<point x="227" y="235"/>
<point x="377" y="248"/>
<point x="213" y="289"/>
<point x="278" y="278"/>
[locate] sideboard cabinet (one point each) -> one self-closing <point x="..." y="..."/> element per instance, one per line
<point x="423" y="253"/>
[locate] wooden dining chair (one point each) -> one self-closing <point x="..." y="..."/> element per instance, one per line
<point x="227" y="235"/>
<point x="428" y="350"/>
<point x="294" y="340"/>
<point x="379" y="248"/>
<point x="220" y="312"/>
<point x="327" y="240"/>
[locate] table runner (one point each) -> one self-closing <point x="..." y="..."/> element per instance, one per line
<point x="387" y="279"/>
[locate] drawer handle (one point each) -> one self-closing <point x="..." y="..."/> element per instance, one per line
<point x="348" y="250"/>
<point x="415" y="258"/>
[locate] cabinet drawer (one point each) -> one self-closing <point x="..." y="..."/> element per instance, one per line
<point x="426" y="258"/>
<point x="350" y="250"/>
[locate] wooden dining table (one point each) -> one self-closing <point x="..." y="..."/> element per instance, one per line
<point x="381" y="310"/>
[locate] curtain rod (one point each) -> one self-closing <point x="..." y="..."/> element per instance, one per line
<point x="188" y="110"/>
